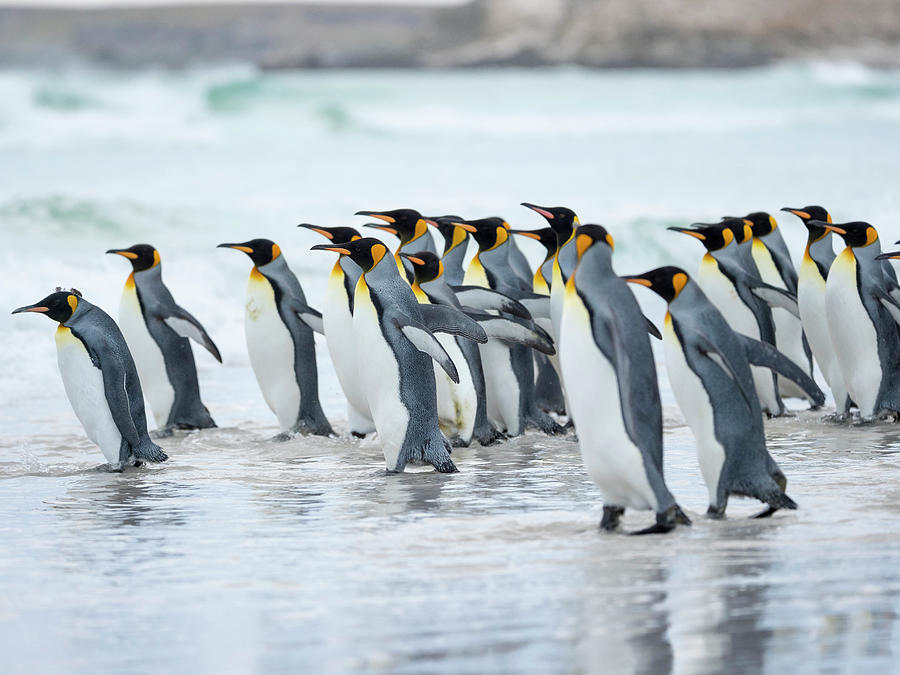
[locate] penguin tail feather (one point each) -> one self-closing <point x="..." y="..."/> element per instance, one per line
<point x="149" y="451"/>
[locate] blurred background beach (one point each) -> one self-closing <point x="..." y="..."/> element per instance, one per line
<point x="185" y="126"/>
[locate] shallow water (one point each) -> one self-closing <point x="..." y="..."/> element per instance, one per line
<point x="244" y="555"/>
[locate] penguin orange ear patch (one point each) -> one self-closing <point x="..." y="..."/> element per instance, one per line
<point x="871" y="236"/>
<point x="378" y="252"/>
<point x="276" y="251"/>
<point x="73" y="301"/>
<point x="678" y="282"/>
<point x="582" y="243"/>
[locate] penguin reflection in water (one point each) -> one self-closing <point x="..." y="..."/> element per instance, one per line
<point x="610" y="377"/>
<point x="279" y="328"/>
<point x="157" y="331"/>
<point x="709" y="368"/>
<point x="394" y="340"/>
<point x="100" y="378"/>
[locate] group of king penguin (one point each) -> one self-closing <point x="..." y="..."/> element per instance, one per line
<point x="433" y="352"/>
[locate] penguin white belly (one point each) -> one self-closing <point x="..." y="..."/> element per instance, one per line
<point x="811" y="301"/>
<point x="84" y="386"/>
<point x="696" y="406"/>
<point x="501" y="387"/>
<point x="380" y="378"/>
<point x="721" y="293"/>
<point x="853" y="334"/>
<point x="788" y="330"/>
<point x="148" y="357"/>
<point x="610" y="457"/>
<point x="557" y="297"/>
<point x="338" y="326"/>
<point x="457" y="403"/>
<point x="271" y="351"/>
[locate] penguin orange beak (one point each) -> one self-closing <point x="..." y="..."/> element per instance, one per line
<point x="833" y="228"/>
<point x="375" y="214"/>
<point x="31" y="308"/>
<point x="638" y="280"/>
<point x="466" y="227"/>
<point x="797" y="212"/>
<point x="236" y="247"/>
<point x="124" y="254"/>
<point x="383" y="228"/>
<point x="687" y="231"/>
<point x="413" y="259"/>
<point x="526" y="233"/>
<point x="893" y="255"/>
<point x="539" y="209"/>
<point x="317" y="230"/>
<point x="333" y="249"/>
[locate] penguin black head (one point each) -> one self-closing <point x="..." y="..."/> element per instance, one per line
<point x="338" y="235"/>
<point x="453" y="229"/>
<point x="142" y="256"/>
<point x="261" y="251"/>
<point x="856" y="234"/>
<point x="545" y="235"/>
<point x="426" y="265"/>
<point x="561" y="219"/>
<point x="366" y="252"/>
<point x="809" y="215"/>
<point x="488" y="233"/>
<point x="406" y="224"/>
<point x="588" y="235"/>
<point x="667" y="282"/>
<point x="713" y="236"/>
<point x="59" y="305"/>
<point x="761" y="223"/>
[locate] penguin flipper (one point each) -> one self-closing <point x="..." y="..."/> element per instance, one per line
<point x="444" y="319"/>
<point x="422" y="339"/>
<point x="311" y="317"/>
<point x="706" y="348"/>
<point x="114" y="384"/>
<point x="775" y="297"/>
<point x="486" y="298"/>
<point x="888" y="301"/>
<point x="765" y="355"/>
<point x="516" y="331"/>
<point x="652" y="329"/>
<point x="185" y="325"/>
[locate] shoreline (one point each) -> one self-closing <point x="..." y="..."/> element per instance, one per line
<point x="482" y="33"/>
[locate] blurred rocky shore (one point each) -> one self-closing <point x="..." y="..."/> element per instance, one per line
<point x="599" y="33"/>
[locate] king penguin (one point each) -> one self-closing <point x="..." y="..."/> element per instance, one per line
<point x="817" y="259"/>
<point x="508" y="369"/>
<point x="277" y="323"/>
<point x="862" y="317"/>
<point x="100" y="378"/>
<point x="773" y="261"/>
<point x="410" y="227"/>
<point x="548" y="388"/>
<point x="157" y="331"/>
<point x="456" y="240"/>
<point x="613" y="392"/>
<point x="731" y="283"/>
<point x="337" y="322"/>
<point x="708" y="368"/>
<point x="510" y="323"/>
<point x="394" y="334"/>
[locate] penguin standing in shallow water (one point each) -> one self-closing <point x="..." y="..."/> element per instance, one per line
<point x="817" y="259"/>
<point x="613" y="392"/>
<point x="337" y="322"/>
<point x="862" y="319"/>
<point x="278" y="325"/>
<point x="393" y="332"/>
<point x="729" y="279"/>
<point x="100" y="378"/>
<point x="508" y="369"/>
<point x="548" y="388"/>
<point x="710" y="375"/>
<point x="469" y="401"/>
<point x="158" y="332"/>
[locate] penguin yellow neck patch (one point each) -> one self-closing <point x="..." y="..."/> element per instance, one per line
<point x="256" y="275"/>
<point x="129" y="282"/>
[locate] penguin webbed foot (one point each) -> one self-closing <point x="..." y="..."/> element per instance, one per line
<point x="716" y="512"/>
<point x="357" y="434"/>
<point x="489" y="435"/>
<point x="543" y="422"/>
<point x="458" y="442"/>
<point x="281" y="437"/>
<point x="681" y="518"/>
<point x="611" y="516"/>
<point x="765" y="513"/>
<point x="312" y="427"/>
<point x="665" y="522"/>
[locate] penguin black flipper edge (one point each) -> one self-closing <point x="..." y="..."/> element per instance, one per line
<point x="443" y="319"/>
<point x="186" y="326"/>
<point x="422" y="339"/>
<point x="765" y="355"/>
